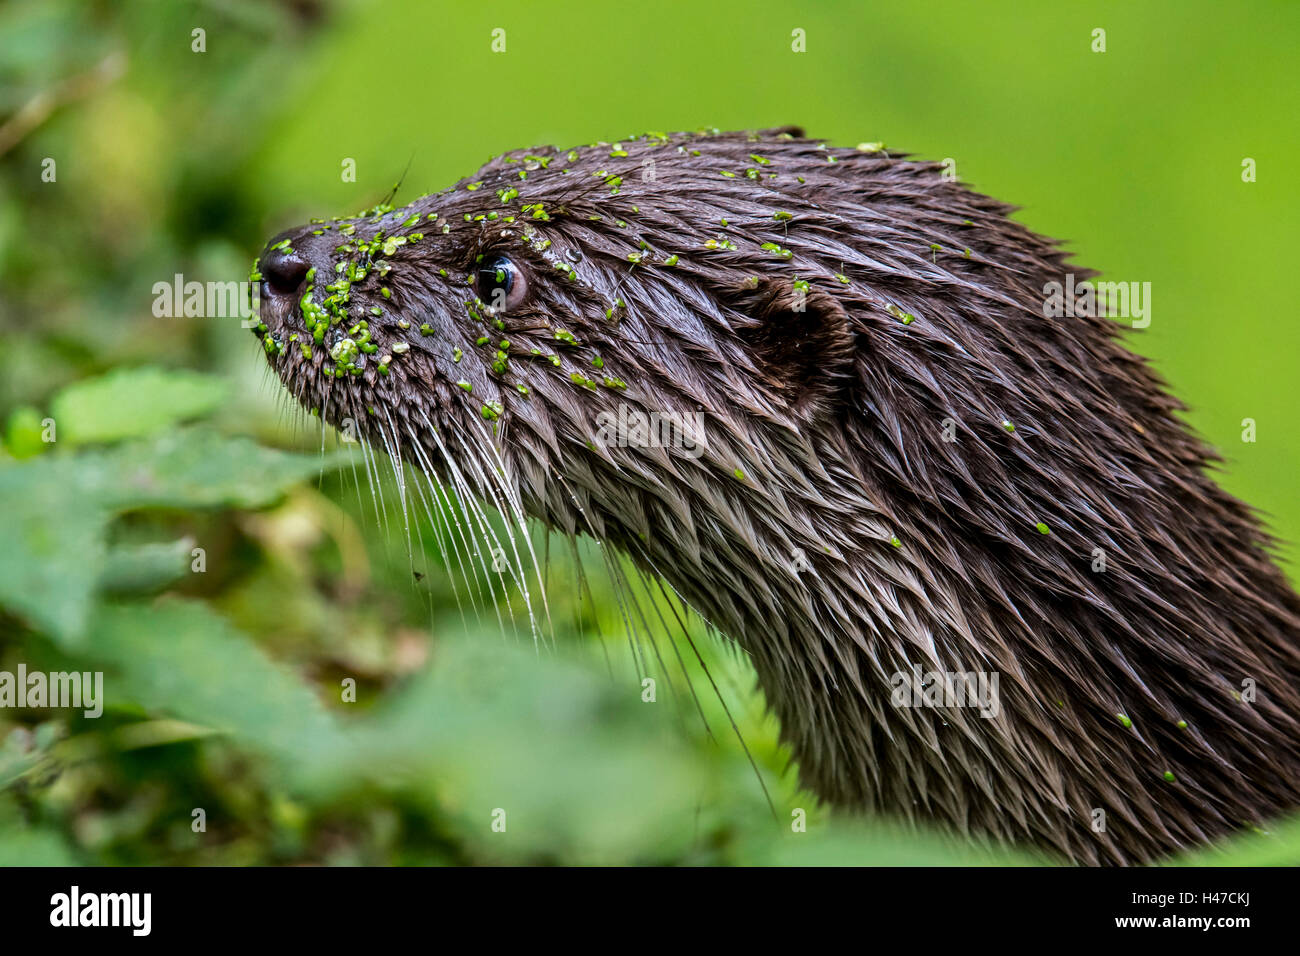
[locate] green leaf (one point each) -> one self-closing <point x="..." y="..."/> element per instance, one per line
<point x="582" y="768"/>
<point x="198" y="468"/>
<point x="146" y="568"/>
<point x="58" y="508"/>
<point x="22" y="843"/>
<point x="130" y="403"/>
<point x="23" y="433"/>
<point x="180" y="658"/>
<point x="54" y="548"/>
<point x="33" y="846"/>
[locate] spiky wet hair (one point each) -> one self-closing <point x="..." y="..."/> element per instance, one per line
<point x="903" y="466"/>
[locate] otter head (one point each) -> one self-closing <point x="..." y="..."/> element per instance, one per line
<point x="606" y="331"/>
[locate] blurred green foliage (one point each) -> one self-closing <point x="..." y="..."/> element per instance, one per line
<point x="225" y="686"/>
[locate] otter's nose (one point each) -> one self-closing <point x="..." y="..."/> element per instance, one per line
<point x="282" y="272"/>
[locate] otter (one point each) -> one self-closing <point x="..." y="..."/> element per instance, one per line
<point x="894" y="469"/>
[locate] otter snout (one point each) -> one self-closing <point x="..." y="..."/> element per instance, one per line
<point x="283" y="267"/>
<point x="286" y="271"/>
<point x="283" y="272"/>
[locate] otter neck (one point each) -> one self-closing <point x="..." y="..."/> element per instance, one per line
<point x="833" y="614"/>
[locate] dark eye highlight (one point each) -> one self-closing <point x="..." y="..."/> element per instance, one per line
<point x="501" y="283"/>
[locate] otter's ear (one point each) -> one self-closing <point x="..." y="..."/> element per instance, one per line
<point x="800" y="336"/>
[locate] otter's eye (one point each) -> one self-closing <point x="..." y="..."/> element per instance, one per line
<point x="500" y="283"/>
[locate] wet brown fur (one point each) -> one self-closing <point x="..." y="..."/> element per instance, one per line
<point x="828" y="527"/>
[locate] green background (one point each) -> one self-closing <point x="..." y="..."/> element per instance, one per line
<point x="187" y="162"/>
